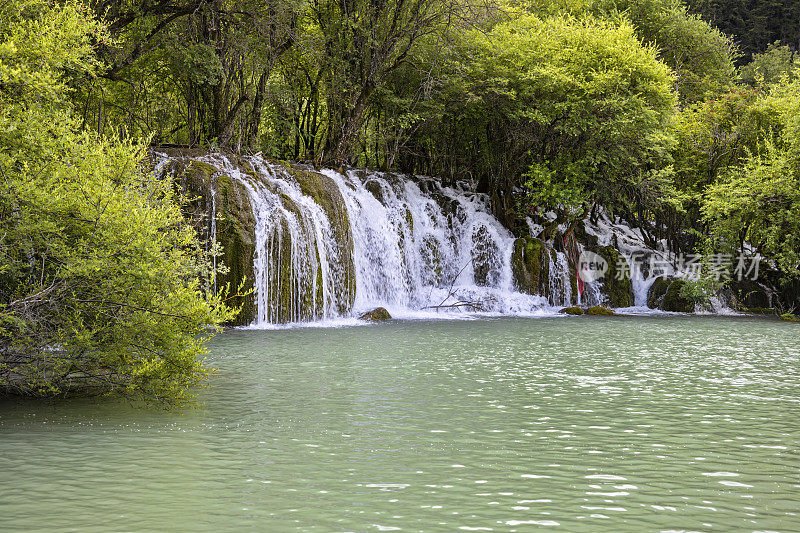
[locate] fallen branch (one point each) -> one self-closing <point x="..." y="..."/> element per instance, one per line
<point x="450" y="290"/>
<point x="474" y="305"/>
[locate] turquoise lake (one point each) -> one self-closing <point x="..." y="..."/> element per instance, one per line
<point x="663" y="423"/>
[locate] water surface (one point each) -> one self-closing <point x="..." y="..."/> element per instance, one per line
<point x="575" y="424"/>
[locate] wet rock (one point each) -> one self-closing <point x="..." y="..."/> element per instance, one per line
<point x="674" y="301"/>
<point x="325" y="193"/>
<point x="376" y="190"/>
<point x="599" y="310"/>
<point x="234" y="227"/>
<point x="379" y="314"/>
<point x="655" y="295"/>
<point x="574" y="310"/>
<point x="529" y="266"/>
<point x="665" y="294"/>
<point x="617" y="286"/>
<point x="484" y="257"/>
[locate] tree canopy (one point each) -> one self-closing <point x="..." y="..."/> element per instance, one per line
<point x="100" y="275"/>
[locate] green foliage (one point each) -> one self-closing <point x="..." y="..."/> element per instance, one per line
<point x="714" y="135"/>
<point x="187" y="71"/>
<point x="589" y="102"/>
<point x="698" y="292"/>
<point x="771" y="67"/>
<point x="100" y="276"/>
<point x="700" y="56"/>
<point x="758" y="201"/>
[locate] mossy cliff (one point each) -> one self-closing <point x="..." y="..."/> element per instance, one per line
<point x="326" y="194"/>
<point x="617" y="285"/>
<point x="530" y="265"/>
<point x="199" y="181"/>
<point x="532" y="257"/>
<point x="292" y="293"/>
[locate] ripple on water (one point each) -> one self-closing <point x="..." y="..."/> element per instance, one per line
<point x="663" y="423"/>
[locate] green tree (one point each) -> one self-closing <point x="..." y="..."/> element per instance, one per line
<point x="190" y="71"/>
<point x="757" y="202"/>
<point x="767" y="69"/>
<point x="575" y="108"/>
<point x="700" y="55"/>
<point x="100" y="276"/>
<point x="715" y="134"/>
<point x="715" y="137"/>
<point x="363" y="44"/>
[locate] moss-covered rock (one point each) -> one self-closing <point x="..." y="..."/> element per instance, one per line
<point x="376" y="190"/>
<point x="236" y="233"/>
<point x="200" y="181"/>
<point x="573" y="283"/>
<point x="432" y="258"/>
<point x="325" y="193"/>
<point x="617" y="285"/>
<point x="291" y="296"/>
<point x="530" y="266"/>
<point x="586" y="238"/>
<point x="599" y="310"/>
<point x="655" y="295"/>
<point x="665" y="294"/>
<point x="674" y="301"/>
<point x="484" y="251"/>
<point x="378" y="314"/>
<point x="574" y="310"/>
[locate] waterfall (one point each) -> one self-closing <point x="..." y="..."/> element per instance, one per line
<point x="298" y="274"/>
<point x="213" y="236"/>
<point x="331" y="244"/>
<point x="641" y="287"/>
<point x="421" y="247"/>
<point x="559" y="280"/>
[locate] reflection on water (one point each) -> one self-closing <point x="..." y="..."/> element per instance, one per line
<point x="591" y="423"/>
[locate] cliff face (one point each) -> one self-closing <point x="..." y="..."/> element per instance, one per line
<point x="303" y="245"/>
<point x="224" y="204"/>
<point x="212" y="193"/>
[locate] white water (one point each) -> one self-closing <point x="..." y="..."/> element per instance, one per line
<point x="422" y="251"/>
<point x="646" y="262"/>
<point x="293" y="241"/>
<point x="425" y="250"/>
<point x="419" y="249"/>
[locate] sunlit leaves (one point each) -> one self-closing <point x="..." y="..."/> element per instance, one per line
<point x="99" y="272"/>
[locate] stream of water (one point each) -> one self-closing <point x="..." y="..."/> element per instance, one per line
<point x="665" y="423"/>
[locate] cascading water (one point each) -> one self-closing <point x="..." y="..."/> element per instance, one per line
<point x="213" y="236"/>
<point x="420" y="246"/>
<point x="560" y="279"/>
<point x="298" y="264"/>
<point x="330" y="244"/>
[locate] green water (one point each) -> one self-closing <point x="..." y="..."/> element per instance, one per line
<point x="574" y="424"/>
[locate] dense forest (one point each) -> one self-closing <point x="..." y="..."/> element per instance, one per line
<point x="664" y="112"/>
<point x="682" y="118"/>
